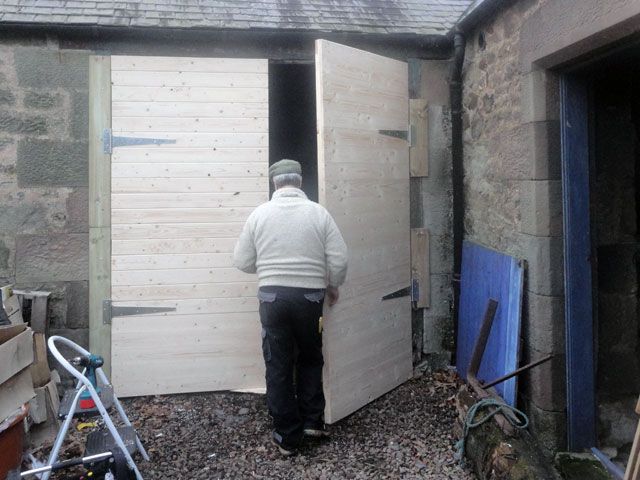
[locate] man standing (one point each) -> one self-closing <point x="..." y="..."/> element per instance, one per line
<point x="299" y="254"/>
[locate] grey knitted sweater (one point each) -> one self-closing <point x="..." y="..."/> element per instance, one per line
<point x="291" y="241"/>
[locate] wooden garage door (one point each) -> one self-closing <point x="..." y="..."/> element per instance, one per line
<point x="364" y="183"/>
<point x="177" y="208"/>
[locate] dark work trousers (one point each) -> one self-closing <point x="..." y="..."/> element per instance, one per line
<point x="291" y="338"/>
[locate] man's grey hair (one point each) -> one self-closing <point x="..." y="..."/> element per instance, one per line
<point x="287" y="180"/>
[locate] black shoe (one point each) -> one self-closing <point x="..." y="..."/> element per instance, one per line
<point x="316" y="431"/>
<point x="285" y="450"/>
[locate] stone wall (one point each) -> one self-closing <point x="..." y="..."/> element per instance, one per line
<point x="43" y="177"/>
<point x="513" y="191"/>
<point x="513" y="198"/>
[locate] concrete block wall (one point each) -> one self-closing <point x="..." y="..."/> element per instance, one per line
<point x="44" y="240"/>
<point x="431" y="208"/>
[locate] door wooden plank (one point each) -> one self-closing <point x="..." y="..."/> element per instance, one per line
<point x="190" y="124"/>
<point x="185" y="230"/>
<point x="189" y="94"/>
<point x="207" y="184"/>
<point x="202" y="140"/>
<point x="173" y="246"/>
<point x="182" y="200"/>
<point x="178" y="276"/>
<point x="189" y="170"/>
<point x="157" y="262"/>
<point x="188" y="110"/>
<point x="148" y="216"/>
<point x="150" y="78"/>
<point x="191" y="155"/>
<point x="359" y="93"/>
<point x="188" y="64"/>
<point x="177" y="292"/>
<point x="177" y="209"/>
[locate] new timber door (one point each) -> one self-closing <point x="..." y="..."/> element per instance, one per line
<point x="189" y="163"/>
<point x="364" y="183"/>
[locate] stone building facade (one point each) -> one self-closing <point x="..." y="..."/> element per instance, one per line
<point x="44" y="240"/>
<point x="512" y="164"/>
<point x="44" y="117"/>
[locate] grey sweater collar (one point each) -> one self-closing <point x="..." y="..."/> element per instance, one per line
<point x="288" y="192"/>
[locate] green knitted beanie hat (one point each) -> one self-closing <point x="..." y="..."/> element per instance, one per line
<point x="284" y="166"/>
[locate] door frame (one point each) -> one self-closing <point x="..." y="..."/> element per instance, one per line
<point x="578" y="262"/>
<point x="99" y="207"/>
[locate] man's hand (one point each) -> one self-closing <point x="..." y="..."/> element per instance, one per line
<point x="333" y="295"/>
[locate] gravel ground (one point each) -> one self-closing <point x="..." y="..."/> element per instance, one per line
<point x="405" y="434"/>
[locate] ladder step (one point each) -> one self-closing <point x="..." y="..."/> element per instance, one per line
<point x="106" y="395"/>
<point x="101" y="441"/>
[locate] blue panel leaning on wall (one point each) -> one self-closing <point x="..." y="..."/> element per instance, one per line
<point x="489" y="274"/>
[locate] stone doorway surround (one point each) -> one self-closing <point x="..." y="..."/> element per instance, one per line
<point x="557" y="36"/>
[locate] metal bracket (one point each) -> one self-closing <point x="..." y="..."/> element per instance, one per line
<point x="407" y="135"/>
<point x="109" y="142"/>
<point x="109" y="311"/>
<point x="412" y="291"/>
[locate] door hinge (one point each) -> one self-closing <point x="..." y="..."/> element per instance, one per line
<point x="109" y="142"/>
<point x="109" y="311"/>
<point x="413" y="291"/>
<point x="407" y="135"/>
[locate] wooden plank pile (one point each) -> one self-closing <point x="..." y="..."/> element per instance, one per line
<point x="25" y="376"/>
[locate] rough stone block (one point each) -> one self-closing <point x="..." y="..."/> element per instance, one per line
<point x="540" y="96"/>
<point x="41" y="100"/>
<point x="545" y="268"/>
<point x="23" y="217"/>
<point x="78" y="211"/>
<point x="543" y="152"/>
<point x="5" y="253"/>
<point x="549" y="427"/>
<point x="13" y="123"/>
<point x="52" y="163"/>
<point x="80" y="115"/>
<point x="41" y="68"/>
<point x="50" y="258"/>
<point x="543" y="323"/>
<point x="7" y="97"/>
<point x="541" y="207"/>
<point x="77" y="296"/>
<point x="545" y="384"/>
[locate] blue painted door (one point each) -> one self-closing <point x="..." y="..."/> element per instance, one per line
<point x="581" y="404"/>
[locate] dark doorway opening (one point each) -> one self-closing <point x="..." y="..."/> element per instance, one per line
<point x="616" y="240"/>
<point x="602" y="97"/>
<point x="292" y="120"/>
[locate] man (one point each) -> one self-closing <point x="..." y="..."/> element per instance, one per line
<point x="299" y="254"/>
